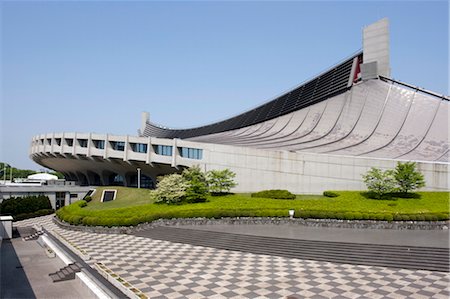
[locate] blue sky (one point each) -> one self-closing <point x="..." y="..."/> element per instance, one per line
<point x="95" y="66"/>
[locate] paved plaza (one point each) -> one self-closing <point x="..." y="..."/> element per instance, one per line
<point x="163" y="269"/>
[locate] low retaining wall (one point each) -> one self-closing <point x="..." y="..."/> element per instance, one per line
<point x="334" y="223"/>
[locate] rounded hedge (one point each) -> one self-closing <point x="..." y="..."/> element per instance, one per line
<point x="330" y="194"/>
<point x="274" y="194"/>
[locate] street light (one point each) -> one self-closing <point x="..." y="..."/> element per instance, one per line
<point x="139" y="178"/>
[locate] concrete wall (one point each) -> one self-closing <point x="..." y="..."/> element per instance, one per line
<point x="376" y="46"/>
<point x="256" y="169"/>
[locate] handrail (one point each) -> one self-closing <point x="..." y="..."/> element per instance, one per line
<point x="416" y="88"/>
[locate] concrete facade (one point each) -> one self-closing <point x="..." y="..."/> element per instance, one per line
<point x="256" y="169"/>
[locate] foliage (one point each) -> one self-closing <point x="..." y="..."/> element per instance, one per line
<point x="16" y="173"/>
<point x="131" y="207"/>
<point x="197" y="188"/>
<point x="220" y="181"/>
<point x="171" y="189"/>
<point x="87" y="198"/>
<point x="274" y="194"/>
<point x="19" y="173"/>
<point x="37" y="213"/>
<point x="407" y="177"/>
<point x="379" y="182"/>
<point x="23" y="205"/>
<point x="330" y="194"/>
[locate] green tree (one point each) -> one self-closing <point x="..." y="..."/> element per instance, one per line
<point x="380" y="182"/>
<point x="220" y="181"/>
<point x="171" y="189"/>
<point x="407" y="177"/>
<point x="197" y="189"/>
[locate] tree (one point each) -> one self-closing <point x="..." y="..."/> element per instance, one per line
<point x="171" y="189"/>
<point x="197" y="189"/>
<point x="221" y="181"/>
<point x="407" y="177"/>
<point x="380" y="182"/>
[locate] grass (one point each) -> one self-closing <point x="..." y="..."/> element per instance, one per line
<point x="134" y="206"/>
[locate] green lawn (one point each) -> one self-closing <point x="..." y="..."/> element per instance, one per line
<point x="134" y="206"/>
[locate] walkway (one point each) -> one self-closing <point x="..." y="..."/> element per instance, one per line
<point x="164" y="269"/>
<point x="24" y="273"/>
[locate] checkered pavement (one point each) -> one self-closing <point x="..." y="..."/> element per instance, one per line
<point x="164" y="269"/>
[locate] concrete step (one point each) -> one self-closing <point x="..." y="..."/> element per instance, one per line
<point x="408" y="257"/>
<point x="66" y="273"/>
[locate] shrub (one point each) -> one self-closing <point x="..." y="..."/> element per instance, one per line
<point x="379" y="182"/>
<point x="38" y="213"/>
<point x="171" y="189"/>
<point x="349" y="216"/>
<point x="274" y="194"/>
<point x="388" y="217"/>
<point x="330" y="194"/>
<point x="87" y="198"/>
<point x="82" y="203"/>
<point x="407" y="177"/>
<point x="197" y="188"/>
<point x="220" y="181"/>
<point x="24" y="205"/>
<point x="405" y="218"/>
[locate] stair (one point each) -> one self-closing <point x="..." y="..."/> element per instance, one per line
<point x="405" y="257"/>
<point x="66" y="273"/>
<point x="34" y="236"/>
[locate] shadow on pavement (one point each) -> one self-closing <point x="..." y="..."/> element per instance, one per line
<point x="14" y="281"/>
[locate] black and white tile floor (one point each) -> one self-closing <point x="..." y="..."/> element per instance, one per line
<point x="164" y="269"/>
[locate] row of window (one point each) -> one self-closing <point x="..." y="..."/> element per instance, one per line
<point x="164" y="150"/>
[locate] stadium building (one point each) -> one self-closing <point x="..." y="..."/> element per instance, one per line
<point x="321" y="135"/>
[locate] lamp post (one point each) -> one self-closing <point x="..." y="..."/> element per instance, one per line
<point x="139" y="178"/>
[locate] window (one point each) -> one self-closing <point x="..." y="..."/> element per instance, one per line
<point x="118" y="145"/>
<point x="191" y="153"/>
<point x="108" y="195"/>
<point x="100" y="144"/>
<point x="73" y="195"/>
<point x="49" y="141"/>
<point x="69" y="141"/>
<point x="58" y="141"/>
<point x="139" y="147"/>
<point x="82" y="142"/>
<point x="164" y="150"/>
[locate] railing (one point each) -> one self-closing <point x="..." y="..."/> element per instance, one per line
<point x="416" y="88"/>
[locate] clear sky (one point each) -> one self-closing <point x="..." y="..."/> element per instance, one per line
<point x="95" y="66"/>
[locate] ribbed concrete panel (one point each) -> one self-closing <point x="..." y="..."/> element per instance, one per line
<point x="319" y="128"/>
<point x="424" y="108"/>
<point x="367" y="123"/>
<point x="312" y="119"/>
<point x="373" y="119"/>
<point x="392" y="119"/>
<point x="326" y="124"/>
<point x="279" y="125"/>
<point x="349" y="117"/>
<point x="294" y="124"/>
<point x="436" y="142"/>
